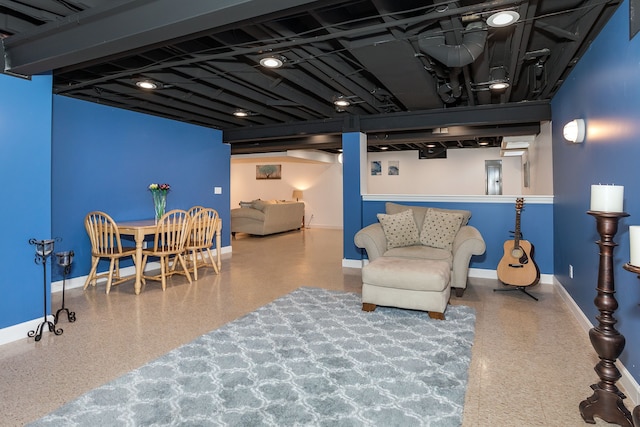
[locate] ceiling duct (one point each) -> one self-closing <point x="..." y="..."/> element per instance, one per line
<point x="472" y="46"/>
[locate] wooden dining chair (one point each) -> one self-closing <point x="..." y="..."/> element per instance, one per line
<point x="172" y="232"/>
<point x="105" y="244"/>
<point x="204" y="226"/>
<point x="194" y="210"/>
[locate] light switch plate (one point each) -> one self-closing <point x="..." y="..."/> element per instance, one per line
<point x="217" y="190"/>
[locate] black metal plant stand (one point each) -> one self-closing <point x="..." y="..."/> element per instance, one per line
<point x="44" y="248"/>
<point x="64" y="260"/>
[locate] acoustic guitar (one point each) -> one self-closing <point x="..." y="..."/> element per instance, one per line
<point x="517" y="267"/>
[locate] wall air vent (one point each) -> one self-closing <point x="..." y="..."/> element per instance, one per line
<point x="433" y="153"/>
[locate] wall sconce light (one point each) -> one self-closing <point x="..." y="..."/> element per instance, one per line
<point x="574" y="131"/>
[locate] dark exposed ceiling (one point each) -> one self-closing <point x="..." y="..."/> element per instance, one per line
<point x="414" y="71"/>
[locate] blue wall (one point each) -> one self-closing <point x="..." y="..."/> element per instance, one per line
<point x="61" y="158"/>
<point x="105" y="158"/>
<point x="494" y="221"/>
<point x="352" y="151"/>
<point x="25" y="170"/>
<point x="604" y="90"/>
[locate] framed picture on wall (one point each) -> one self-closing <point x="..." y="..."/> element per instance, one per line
<point x="376" y="167"/>
<point x="393" y="168"/>
<point x="268" y="171"/>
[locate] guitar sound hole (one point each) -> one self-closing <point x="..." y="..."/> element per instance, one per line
<point x="517" y="253"/>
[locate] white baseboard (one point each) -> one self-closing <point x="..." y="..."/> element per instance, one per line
<point x="19" y="331"/>
<point x="627" y="381"/>
<point x="481" y="273"/>
<point x="353" y="263"/>
<point x="324" y="226"/>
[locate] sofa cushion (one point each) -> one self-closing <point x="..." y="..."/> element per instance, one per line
<point x="261" y="204"/>
<point x="421" y="252"/>
<point x="399" y="229"/>
<point x="408" y="274"/>
<point x="247" y="213"/>
<point x="419" y="212"/>
<point x="440" y="228"/>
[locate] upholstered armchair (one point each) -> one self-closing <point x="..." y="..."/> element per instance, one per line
<point x="466" y="242"/>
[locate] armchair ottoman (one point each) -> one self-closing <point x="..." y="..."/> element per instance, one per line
<point x="407" y="283"/>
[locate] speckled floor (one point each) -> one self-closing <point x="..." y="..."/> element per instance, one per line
<point x="532" y="363"/>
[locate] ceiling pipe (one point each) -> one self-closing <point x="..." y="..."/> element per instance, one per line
<point x="451" y="91"/>
<point x="457" y="56"/>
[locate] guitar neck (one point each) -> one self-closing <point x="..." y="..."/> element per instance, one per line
<point x="516" y="237"/>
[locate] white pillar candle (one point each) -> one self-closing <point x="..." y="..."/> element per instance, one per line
<point x="607" y="198"/>
<point x="634" y="245"/>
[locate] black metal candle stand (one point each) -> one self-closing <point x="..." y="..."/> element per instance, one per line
<point x="64" y="260"/>
<point x="606" y="400"/>
<point x="44" y="248"/>
<point x="636" y="410"/>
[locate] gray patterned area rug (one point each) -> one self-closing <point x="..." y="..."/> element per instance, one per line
<point x="310" y="358"/>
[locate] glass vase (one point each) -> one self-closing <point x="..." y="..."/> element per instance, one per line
<point x="159" y="203"/>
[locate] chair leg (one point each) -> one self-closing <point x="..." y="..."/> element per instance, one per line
<point x="194" y="260"/>
<point x="163" y="270"/>
<point x="213" y="262"/>
<point x="92" y="273"/>
<point x="112" y="265"/>
<point x="144" y="264"/>
<point x="117" y="269"/>
<point x="184" y="266"/>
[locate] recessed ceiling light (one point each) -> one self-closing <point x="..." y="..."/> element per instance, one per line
<point x="431" y="145"/>
<point x="147" y="84"/>
<point x="273" y="61"/>
<point x="384" y="148"/>
<point x="498" y="85"/>
<point x="503" y="18"/>
<point x="483" y="142"/>
<point x="341" y="101"/>
<point x="241" y="113"/>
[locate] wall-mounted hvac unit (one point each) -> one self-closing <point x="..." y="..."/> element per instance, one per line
<point x="433" y="153"/>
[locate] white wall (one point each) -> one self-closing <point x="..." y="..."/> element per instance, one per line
<point x="541" y="160"/>
<point x="321" y="184"/>
<point x="463" y="171"/>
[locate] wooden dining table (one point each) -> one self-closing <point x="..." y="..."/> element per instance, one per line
<point x="141" y="228"/>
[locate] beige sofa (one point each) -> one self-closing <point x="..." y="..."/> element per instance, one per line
<point x="262" y="217"/>
<point x="443" y="236"/>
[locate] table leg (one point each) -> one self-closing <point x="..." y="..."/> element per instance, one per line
<point x="218" y="247"/>
<point x="139" y="237"/>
